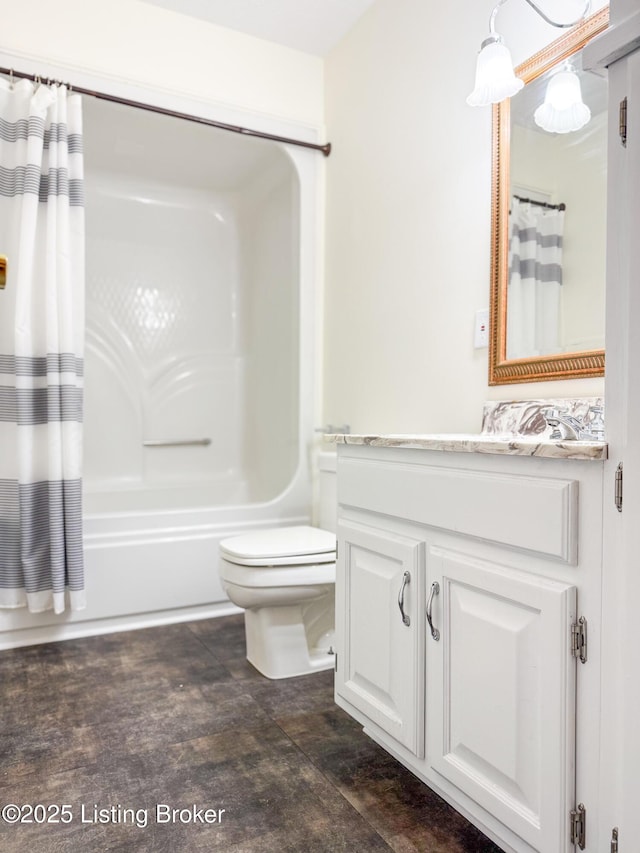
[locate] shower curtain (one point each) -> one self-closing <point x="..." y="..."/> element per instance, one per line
<point x="535" y="279"/>
<point x="41" y="347"/>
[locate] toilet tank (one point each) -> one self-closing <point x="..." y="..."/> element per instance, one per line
<point x="327" y="493"/>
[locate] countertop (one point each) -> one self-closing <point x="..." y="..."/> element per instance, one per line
<point x="504" y="444"/>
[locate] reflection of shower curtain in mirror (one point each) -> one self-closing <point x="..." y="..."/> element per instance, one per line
<point x="535" y="278"/>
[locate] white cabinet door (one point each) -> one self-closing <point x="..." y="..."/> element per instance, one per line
<point x="380" y="668"/>
<point x="501" y="693"/>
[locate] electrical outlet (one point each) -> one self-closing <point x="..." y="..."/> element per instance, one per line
<point x="481" y="333"/>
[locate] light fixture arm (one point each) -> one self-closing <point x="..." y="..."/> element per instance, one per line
<point x="492" y="19"/>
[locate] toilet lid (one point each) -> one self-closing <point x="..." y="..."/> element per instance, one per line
<point x="280" y="546"/>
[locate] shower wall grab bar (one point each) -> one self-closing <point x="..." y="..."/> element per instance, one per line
<point x="180" y="442"/>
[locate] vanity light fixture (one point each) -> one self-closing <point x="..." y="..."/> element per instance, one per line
<point x="495" y="77"/>
<point x="563" y="109"/>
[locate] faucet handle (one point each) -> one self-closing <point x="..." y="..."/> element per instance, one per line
<point x="565" y="426"/>
<point x="552" y="417"/>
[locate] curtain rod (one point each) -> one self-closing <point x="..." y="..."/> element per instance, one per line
<point x="548" y="205"/>
<point x="245" y="131"/>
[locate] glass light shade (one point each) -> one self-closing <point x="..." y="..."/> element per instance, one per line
<point x="495" y="79"/>
<point x="563" y="110"/>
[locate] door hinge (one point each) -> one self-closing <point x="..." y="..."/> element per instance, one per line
<point x="335" y="662"/>
<point x="614" y="840"/>
<point x="578" y="819"/>
<point x="579" y="639"/>
<point x="618" y="487"/>
<point x="623" y="122"/>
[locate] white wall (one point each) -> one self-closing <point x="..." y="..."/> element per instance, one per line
<point x="408" y="218"/>
<point x="622" y="9"/>
<point x="126" y="40"/>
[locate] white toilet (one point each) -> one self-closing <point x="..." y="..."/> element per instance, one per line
<point x="284" y="578"/>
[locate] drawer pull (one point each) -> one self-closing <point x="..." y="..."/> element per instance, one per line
<point x="406" y="579"/>
<point x="435" y="589"/>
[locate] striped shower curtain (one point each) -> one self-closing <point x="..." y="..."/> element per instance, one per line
<point x="535" y="279"/>
<point x="41" y="347"/>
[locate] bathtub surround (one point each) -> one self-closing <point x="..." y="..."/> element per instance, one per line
<point x="192" y="240"/>
<point x="202" y="271"/>
<point x="41" y="348"/>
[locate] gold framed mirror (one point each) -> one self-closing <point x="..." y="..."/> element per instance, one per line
<point x="531" y="334"/>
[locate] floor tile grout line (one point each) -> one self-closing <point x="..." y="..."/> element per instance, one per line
<point x="309" y="759"/>
<point x="306" y="756"/>
<point x="213" y="654"/>
<point x="334" y="786"/>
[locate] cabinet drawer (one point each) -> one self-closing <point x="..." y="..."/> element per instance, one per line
<point x="536" y="514"/>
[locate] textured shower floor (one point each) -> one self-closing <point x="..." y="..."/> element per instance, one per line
<point x="176" y="716"/>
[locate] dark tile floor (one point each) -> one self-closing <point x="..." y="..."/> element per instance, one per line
<point x="176" y="716"/>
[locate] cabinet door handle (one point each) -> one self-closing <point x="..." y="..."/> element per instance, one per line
<point x="435" y="589"/>
<point x="406" y="579"/>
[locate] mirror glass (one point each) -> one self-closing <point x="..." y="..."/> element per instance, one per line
<point x="549" y="226"/>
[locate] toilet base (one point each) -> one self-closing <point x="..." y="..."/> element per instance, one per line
<point x="290" y="640"/>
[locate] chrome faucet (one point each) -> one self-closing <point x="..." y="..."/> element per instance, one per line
<point x="566" y="427"/>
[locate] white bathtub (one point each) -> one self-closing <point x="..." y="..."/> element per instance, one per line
<point x="149" y="567"/>
<point x="201" y="272"/>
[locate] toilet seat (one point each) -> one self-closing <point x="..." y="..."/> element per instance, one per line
<point x="281" y="546"/>
<point x="278" y="576"/>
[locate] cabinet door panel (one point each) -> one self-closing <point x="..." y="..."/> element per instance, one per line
<point x="381" y="659"/>
<point x="501" y="693"/>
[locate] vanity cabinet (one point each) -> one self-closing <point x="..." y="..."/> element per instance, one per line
<point x="461" y="580"/>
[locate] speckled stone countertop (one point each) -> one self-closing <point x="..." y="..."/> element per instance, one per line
<point x="504" y="444"/>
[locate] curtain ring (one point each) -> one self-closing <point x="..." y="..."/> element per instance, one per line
<point x="11" y="79"/>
